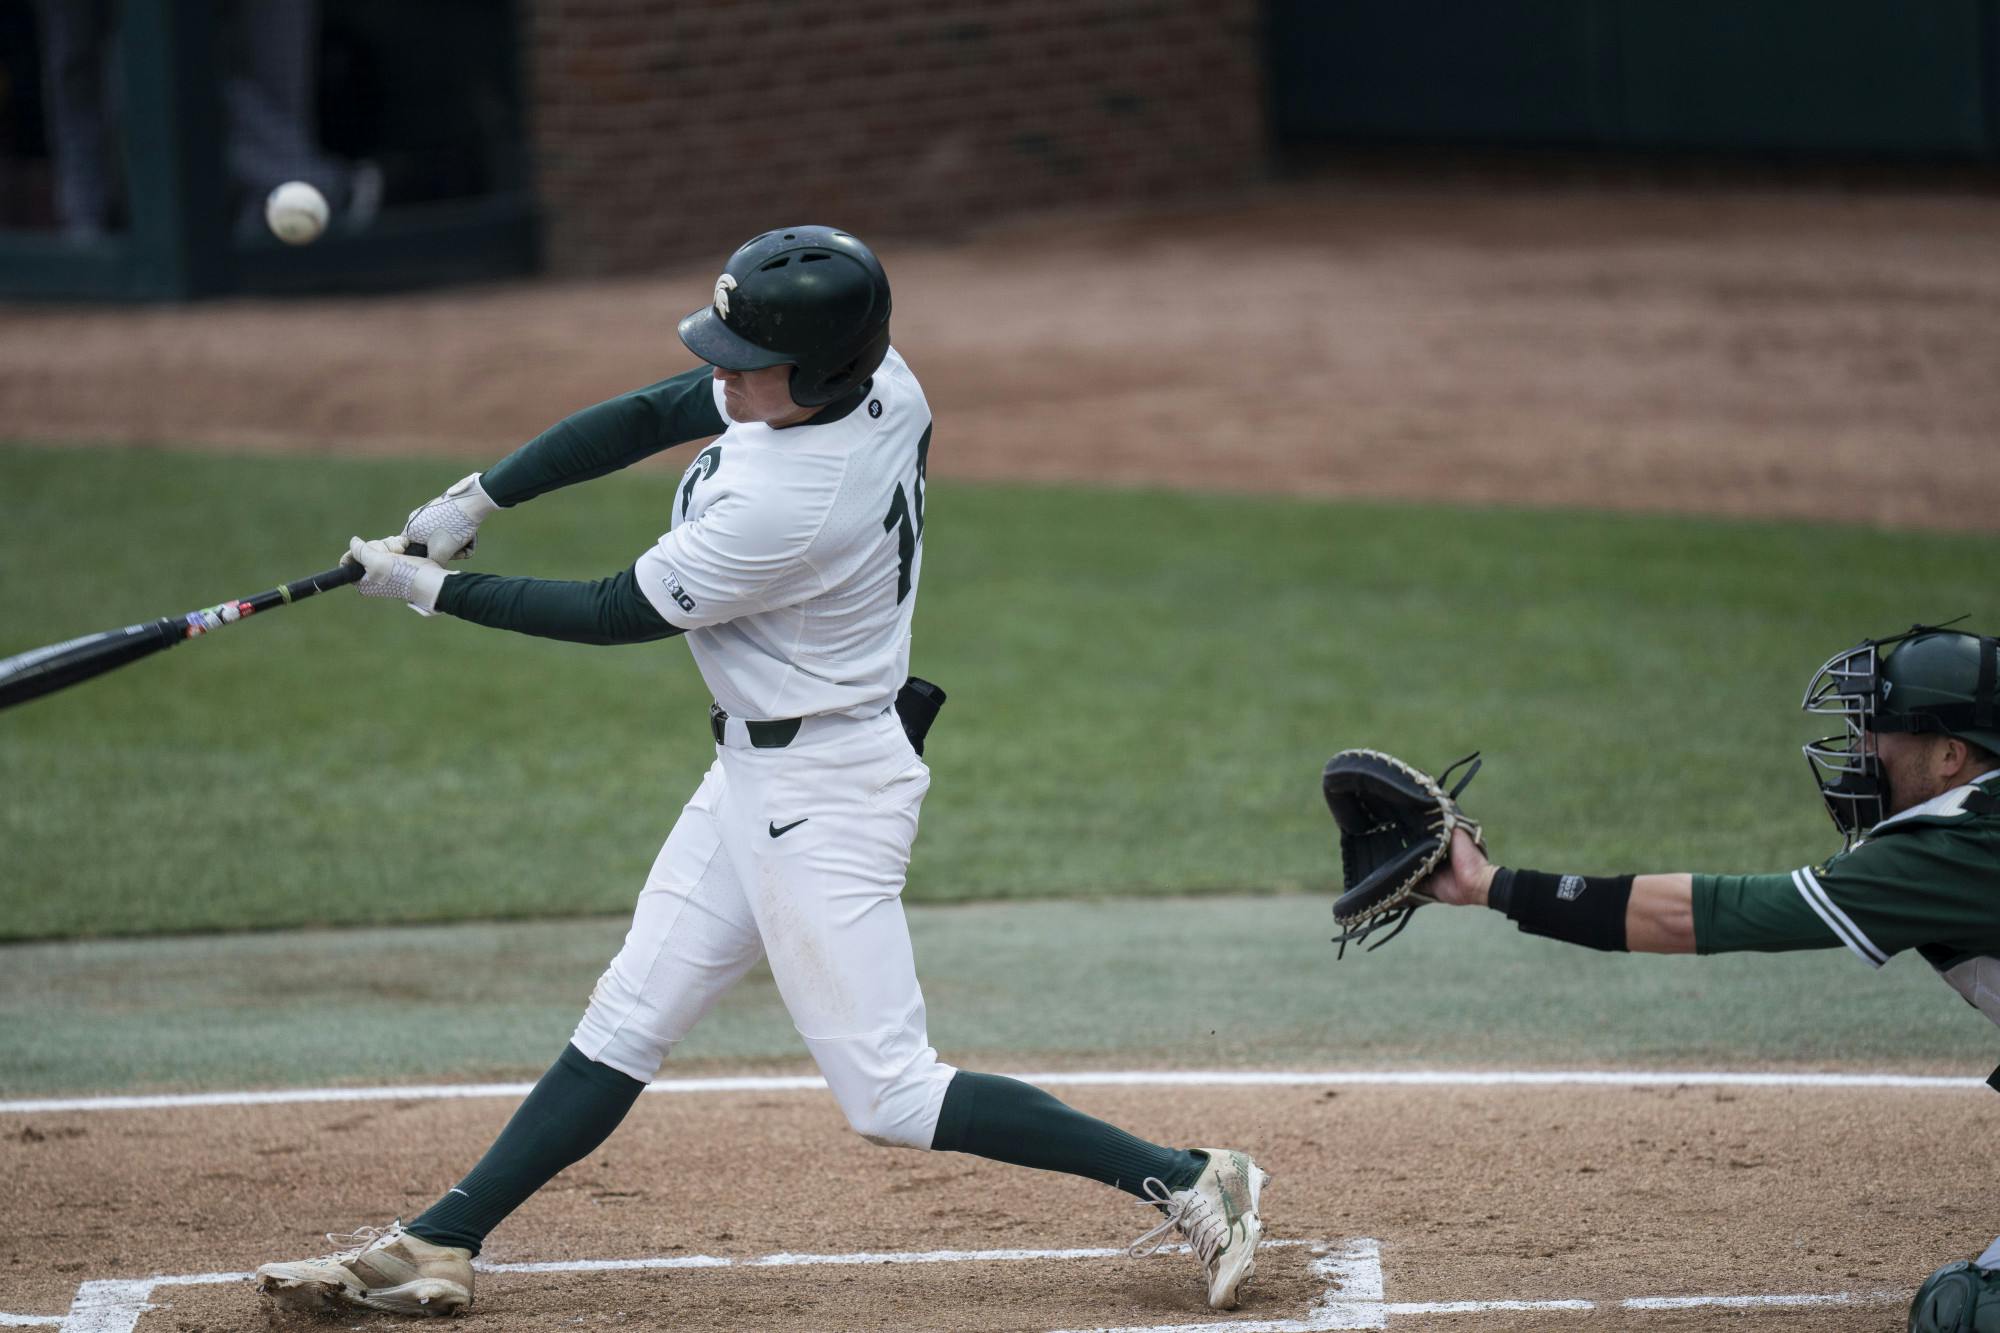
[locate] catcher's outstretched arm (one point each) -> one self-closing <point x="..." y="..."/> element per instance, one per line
<point x="1657" y="915"/>
<point x="1660" y="916"/>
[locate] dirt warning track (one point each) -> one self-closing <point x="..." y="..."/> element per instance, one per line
<point x="1653" y="1207"/>
<point x="1804" y="353"/>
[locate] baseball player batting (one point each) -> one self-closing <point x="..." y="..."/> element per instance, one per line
<point x="791" y="568"/>
<point x="1912" y="780"/>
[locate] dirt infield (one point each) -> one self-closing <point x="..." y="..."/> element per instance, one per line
<point x="1806" y="353"/>
<point x="1474" y="1195"/>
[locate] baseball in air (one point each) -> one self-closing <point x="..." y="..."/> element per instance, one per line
<point x="296" y="213"/>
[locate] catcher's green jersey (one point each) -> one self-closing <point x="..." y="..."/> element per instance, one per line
<point x="1927" y="879"/>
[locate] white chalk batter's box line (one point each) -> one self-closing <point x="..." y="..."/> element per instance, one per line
<point x="1349" y="1078"/>
<point x="1352" y="1297"/>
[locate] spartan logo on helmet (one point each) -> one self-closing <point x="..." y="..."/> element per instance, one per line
<point x="724" y="285"/>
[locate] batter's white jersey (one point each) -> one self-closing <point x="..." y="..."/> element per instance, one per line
<point x="793" y="563"/>
<point x="794" y="556"/>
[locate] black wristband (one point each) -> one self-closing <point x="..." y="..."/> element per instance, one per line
<point x="1578" y="909"/>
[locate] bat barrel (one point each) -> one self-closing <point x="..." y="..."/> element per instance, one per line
<point x="42" y="671"/>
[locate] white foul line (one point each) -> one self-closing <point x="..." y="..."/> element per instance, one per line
<point x="1483" y="1307"/>
<point x="1357" y="1078"/>
<point x="1742" y="1302"/>
<point x="1352" y="1298"/>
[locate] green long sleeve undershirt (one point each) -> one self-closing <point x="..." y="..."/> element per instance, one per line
<point x="608" y="436"/>
<point x="609" y="610"/>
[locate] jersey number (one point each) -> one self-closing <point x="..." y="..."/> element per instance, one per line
<point x="907" y="520"/>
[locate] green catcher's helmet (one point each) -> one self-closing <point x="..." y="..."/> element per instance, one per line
<point x="1942" y="681"/>
<point x="1926" y="680"/>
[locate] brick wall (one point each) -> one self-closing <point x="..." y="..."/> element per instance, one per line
<point x="671" y="129"/>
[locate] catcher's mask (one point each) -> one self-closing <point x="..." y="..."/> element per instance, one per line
<point x="1926" y="680"/>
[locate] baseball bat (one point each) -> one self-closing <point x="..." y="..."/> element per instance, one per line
<point x="42" y="671"/>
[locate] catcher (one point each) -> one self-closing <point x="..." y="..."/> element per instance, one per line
<point x="1912" y="782"/>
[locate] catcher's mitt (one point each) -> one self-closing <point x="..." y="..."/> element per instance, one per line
<point x="1395" y="829"/>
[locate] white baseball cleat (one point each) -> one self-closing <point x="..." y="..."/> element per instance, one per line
<point x="1218" y="1216"/>
<point x="388" y="1270"/>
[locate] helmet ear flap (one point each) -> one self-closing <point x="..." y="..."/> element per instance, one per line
<point x="828" y="385"/>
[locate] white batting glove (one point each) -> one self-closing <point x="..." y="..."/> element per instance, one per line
<point x="449" y="525"/>
<point x="391" y="573"/>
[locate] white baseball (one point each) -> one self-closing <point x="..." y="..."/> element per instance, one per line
<point x="296" y="213"/>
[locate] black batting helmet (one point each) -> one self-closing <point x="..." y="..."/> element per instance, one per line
<point x="813" y="298"/>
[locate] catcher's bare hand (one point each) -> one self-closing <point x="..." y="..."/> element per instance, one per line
<point x="1463" y="880"/>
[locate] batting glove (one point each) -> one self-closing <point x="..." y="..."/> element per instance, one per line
<point x="449" y="525"/>
<point x="391" y="573"/>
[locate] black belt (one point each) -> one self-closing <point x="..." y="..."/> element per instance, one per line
<point x="764" y="735"/>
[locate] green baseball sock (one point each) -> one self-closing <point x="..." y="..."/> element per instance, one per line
<point x="1010" y="1121"/>
<point x="571" y="1110"/>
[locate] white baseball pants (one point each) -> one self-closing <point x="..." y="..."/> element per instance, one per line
<point x="797" y="855"/>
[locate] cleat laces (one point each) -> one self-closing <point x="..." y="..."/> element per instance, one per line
<point x="1188" y="1212"/>
<point x="361" y="1241"/>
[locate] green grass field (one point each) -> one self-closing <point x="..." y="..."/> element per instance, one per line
<point x="1144" y="687"/>
<point x="1216" y="981"/>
